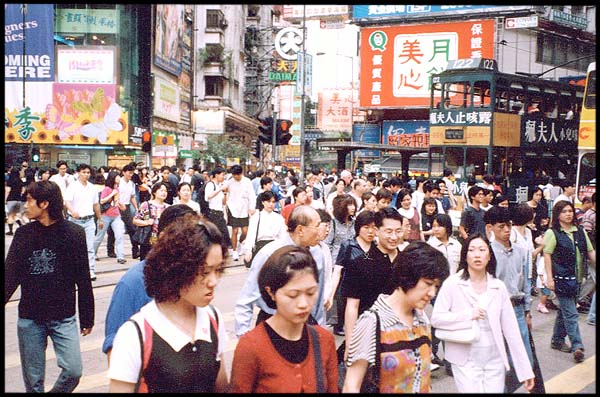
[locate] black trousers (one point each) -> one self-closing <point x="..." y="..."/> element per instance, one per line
<point x="218" y="219"/>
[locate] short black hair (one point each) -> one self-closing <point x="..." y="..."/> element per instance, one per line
<point x="497" y="215"/>
<point x="265" y="180"/>
<point x="47" y="191"/>
<point x="444" y="220"/>
<point x="216" y="171"/>
<point x="387" y="213"/>
<point x="383" y="193"/>
<point x="324" y="215"/>
<point x="473" y="191"/>
<point x="522" y="214"/>
<point x="129" y="167"/>
<point x="83" y="166"/>
<point x="236" y="169"/>
<point x="418" y="260"/>
<point x="281" y="267"/>
<point x="365" y="218"/>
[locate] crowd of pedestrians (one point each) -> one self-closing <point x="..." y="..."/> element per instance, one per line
<point x="361" y="257"/>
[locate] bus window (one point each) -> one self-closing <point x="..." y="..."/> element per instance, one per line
<point x="590" y="99"/>
<point x="587" y="175"/>
<point x="477" y="161"/>
<point x="457" y="95"/>
<point x="481" y="94"/>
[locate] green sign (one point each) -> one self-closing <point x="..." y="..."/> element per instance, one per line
<point x="187" y="154"/>
<point x="568" y="19"/>
<point x="282" y="76"/>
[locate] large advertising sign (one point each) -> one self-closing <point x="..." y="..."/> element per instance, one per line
<point x="87" y="20"/>
<point x="29" y="42"/>
<point x="166" y="100"/>
<point x="406" y="133"/>
<point x="79" y="114"/>
<point x="378" y="11"/>
<point x="366" y="133"/>
<point x="169" y="36"/>
<point x="335" y="109"/>
<point x="95" y="65"/>
<point x="397" y="61"/>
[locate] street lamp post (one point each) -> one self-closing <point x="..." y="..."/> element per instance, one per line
<point x="302" y="100"/>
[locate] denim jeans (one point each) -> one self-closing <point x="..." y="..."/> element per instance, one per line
<point x="567" y="323"/>
<point x="512" y="382"/>
<point x="33" y="341"/>
<point x="592" y="314"/>
<point x="118" y="227"/>
<point x="89" y="226"/>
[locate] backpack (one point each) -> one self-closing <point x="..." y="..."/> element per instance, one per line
<point x="204" y="208"/>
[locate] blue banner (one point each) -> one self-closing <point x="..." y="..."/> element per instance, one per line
<point x="29" y="42"/>
<point x="404" y="11"/>
<point x="367" y="133"/>
<point x="406" y="133"/>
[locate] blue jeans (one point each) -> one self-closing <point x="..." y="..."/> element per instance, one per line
<point x="33" y="341"/>
<point x="567" y="323"/>
<point x="118" y="228"/>
<point x="89" y="225"/>
<point x="511" y="381"/>
<point x="592" y="314"/>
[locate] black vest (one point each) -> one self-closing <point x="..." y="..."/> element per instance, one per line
<point x="564" y="258"/>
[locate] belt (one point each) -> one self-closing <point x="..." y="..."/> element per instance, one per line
<point x="211" y="210"/>
<point x="517" y="300"/>
<point x="84" y="218"/>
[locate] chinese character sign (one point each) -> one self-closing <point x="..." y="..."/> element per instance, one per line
<point x="406" y="133"/>
<point x="542" y="133"/>
<point x="335" y="109"/>
<point x="397" y="61"/>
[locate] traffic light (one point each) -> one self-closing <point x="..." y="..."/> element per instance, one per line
<point x="35" y="154"/>
<point x="255" y="148"/>
<point x="283" y="131"/>
<point x="266" y="130"/>
<point x="147" y="141"/>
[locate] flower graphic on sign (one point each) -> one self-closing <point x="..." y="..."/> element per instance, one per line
<point x="99" y="130"/>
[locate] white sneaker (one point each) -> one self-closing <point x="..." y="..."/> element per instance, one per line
<point x="433" y="367"/>
<point x="235" y="256"/>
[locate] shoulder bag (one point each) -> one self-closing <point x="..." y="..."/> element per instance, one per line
<point x="257" y="244"/>
<point x="103" y="207"/>
<point x="142" y="233"/>
<point x="467" y="335"/>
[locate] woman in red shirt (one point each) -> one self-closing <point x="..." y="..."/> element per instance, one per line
<point x="278" y="355"/>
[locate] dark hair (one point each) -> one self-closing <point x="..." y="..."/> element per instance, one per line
<point x="365" y="197"/>
<point x="129" y="167"/>
<point x="447" y="172"/>
<point x="99" y="179"/>
<point x="324" y="215"/>
<point x="172" y="213"/>
<point x="281" y="267"/>
<point x="383" y="193"/>
<point x="183" y="184"/>
<point x="497" y="215"/>
<point x="473" y="191"/>
<point x="418" y="260"/>
<point x="297" y="191"/>
<point x="83" y="166"/>
<point x="47" y="191"/>
<point x="61" y="162"/>
<point x="498" y="199"/>
<point x="491" y="266"/>
<point x="267" y="195"/>
<point x="565" y="183"/>
<point x="429" y="200"/>
<point x="489" y="179"/>
<point x="165" y="167"/>
<point x="236" y="169"/>
<point x="157" y="186"/>
<point x="444" y="221"/>
<point x="522" y="214"/>
<point x="265" y="180"/>
<point x="365" y="218"/>
<point x="293" y="180"/>
<point x="179" y="256"/>
<point x="111" y="179"/>
<point x="340" y="207"/>
<point x="216" y="171"/>
<point x="401" y="194"/>
<point x="586" y="199"/>
<point x="557" y="209"/>
<point x="387" y="213"/>
<point x="532" y="191"/>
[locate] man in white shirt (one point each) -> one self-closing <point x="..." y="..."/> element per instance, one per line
<point x="241" y="203"/>
<point x="215" y="194"/>
<point x="359" y="186"/>
<point x="82" y="202"/>
<point x="187" y="177"/>
<point x="568" y="193"/>
<point x="62" y="179"/>
<point x="127" y="198"/>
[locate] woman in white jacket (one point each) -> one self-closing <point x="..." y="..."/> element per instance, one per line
<point x="473" y="293"/>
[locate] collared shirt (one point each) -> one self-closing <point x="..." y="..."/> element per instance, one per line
<point x="215" y="203"/>
<point x="82" y="197"/>
<point x="272" y="226"/>
<point x="511" y="268"/>
<point x="126" y="356"/>
<point x="250" y="293"/>
<point x="451" y="251"/>
<point x="240" y="197"/>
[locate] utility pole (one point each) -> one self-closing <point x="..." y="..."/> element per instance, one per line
<point x="274" y="140"/>
<point x="303" y="105"/>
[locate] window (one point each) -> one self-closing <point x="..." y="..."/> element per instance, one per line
<point x="213" y="86"/>
<point x="214" y="18"/>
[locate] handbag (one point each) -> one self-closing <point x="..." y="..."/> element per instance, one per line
<point x="566" y="286"/>
<point x="465" y="335"/>
<point x="142" y="233"/>
<point x="257" y="245"/>
<point x="103" y="207"/>
<point x="370" y="383"/>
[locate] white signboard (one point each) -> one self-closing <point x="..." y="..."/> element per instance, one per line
<point x="209" y="121"/>
<point x="166" y="100"/>
<point x="95" y="66"/>
<point x="521" y="22"/>
<point x="304" y="64"/>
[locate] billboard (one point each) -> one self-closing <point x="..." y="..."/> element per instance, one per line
<point x="406" y="133"/>
<point x="169" y="37"/>
<point x="397" y="61"/>
<point x="366" y="133"/>
<point x="335" y="109"/>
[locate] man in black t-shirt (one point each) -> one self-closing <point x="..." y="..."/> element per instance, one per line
<point x="53" y="274"/>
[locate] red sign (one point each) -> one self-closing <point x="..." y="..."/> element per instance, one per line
<point x="397" y="61"/>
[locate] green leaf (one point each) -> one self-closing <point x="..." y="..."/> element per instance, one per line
<point x="97" y="100"/>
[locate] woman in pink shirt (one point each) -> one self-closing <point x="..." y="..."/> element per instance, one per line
<point x="473" y="293"/>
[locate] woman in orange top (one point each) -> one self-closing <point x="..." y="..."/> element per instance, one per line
<point x="278" y="355"/>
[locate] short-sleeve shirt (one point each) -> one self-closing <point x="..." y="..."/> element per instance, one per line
<point x="550" y="242"/>
<point x="472" y="220"/>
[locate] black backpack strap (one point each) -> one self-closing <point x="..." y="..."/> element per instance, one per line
<point x="318" y="360"/>
<point x="139" y="332"/>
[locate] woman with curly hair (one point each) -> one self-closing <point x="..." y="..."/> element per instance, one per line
<point x="175" y="343"/>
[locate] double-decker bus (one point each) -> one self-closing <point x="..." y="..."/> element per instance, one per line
<point x="483" y="121"/>
<point x="586" y="161"/>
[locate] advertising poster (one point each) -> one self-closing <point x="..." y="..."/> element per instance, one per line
<point x="169" y="36"/>
<point x="406" y="133"/>
<point x="367" y="133"/>
<point x="397" y="61"/>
